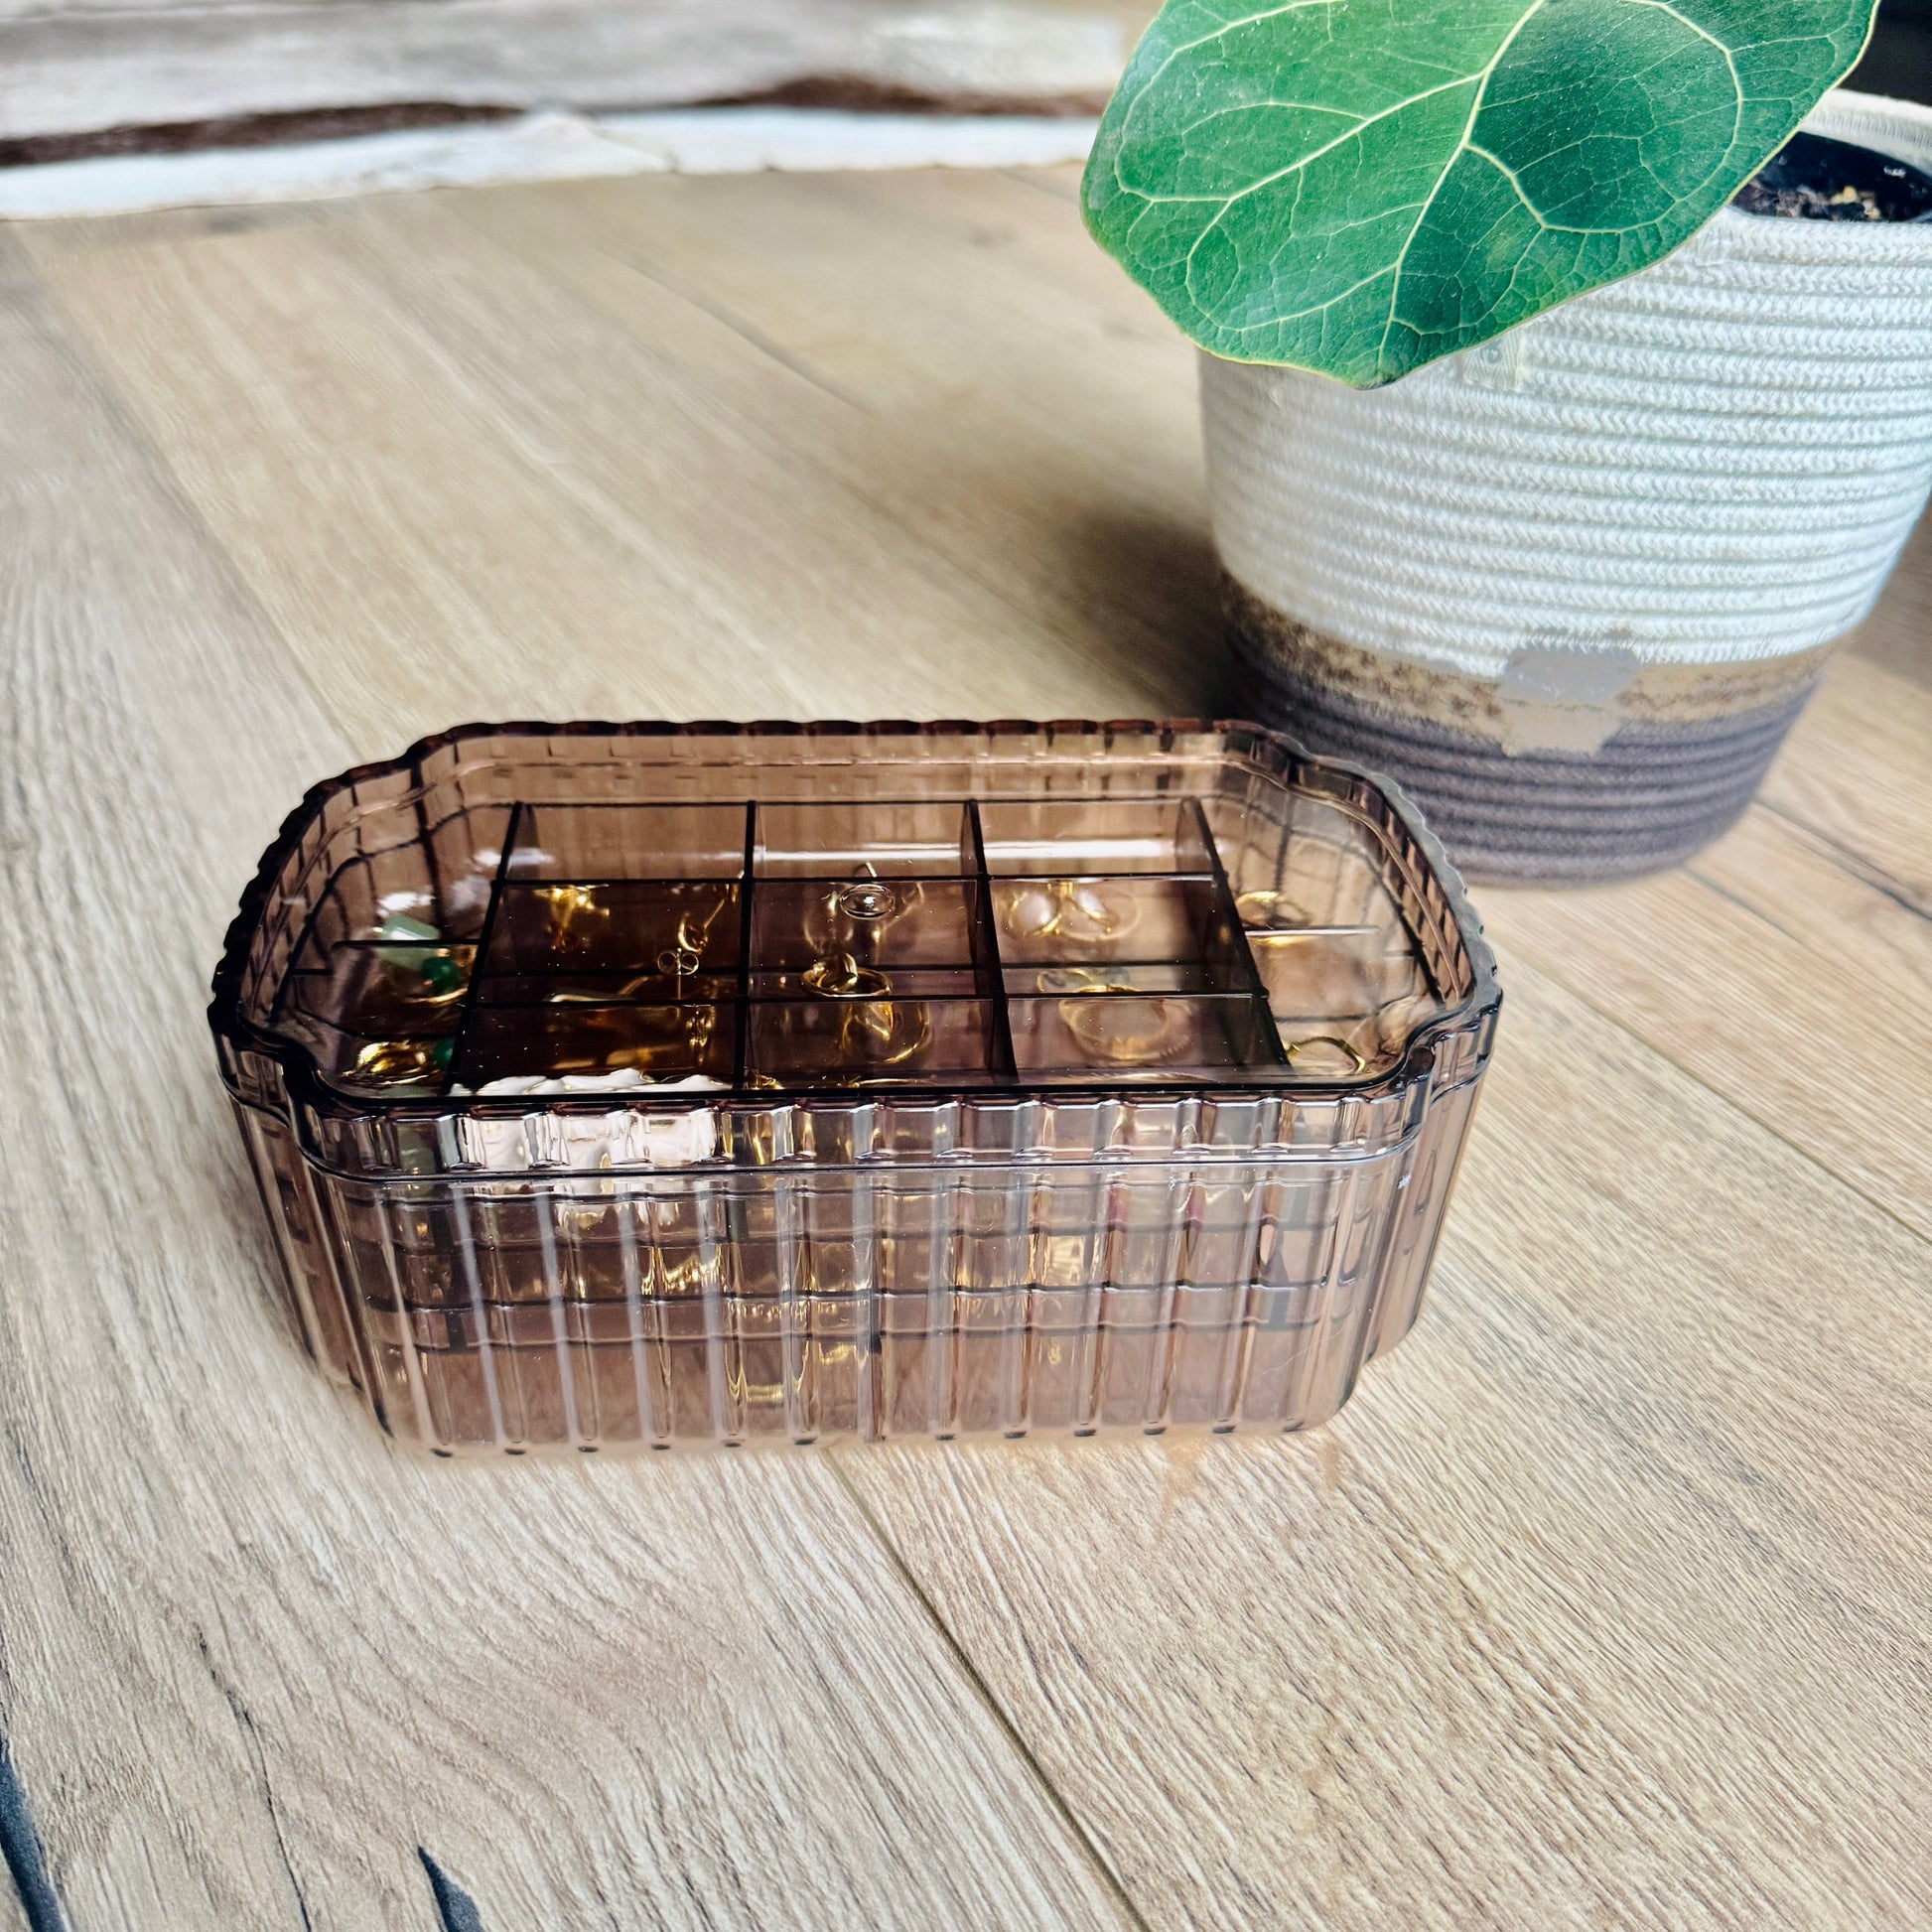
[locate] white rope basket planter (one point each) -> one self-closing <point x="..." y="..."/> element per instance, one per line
<point x="1572" y="586"/>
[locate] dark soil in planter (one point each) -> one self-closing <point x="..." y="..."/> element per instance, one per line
<point x="1817" y="180"/>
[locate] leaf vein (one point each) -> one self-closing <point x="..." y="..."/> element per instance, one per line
<point x="1455" y="154"/>
<point x="1299" y="169"/>
<point x="1228" y="27"/>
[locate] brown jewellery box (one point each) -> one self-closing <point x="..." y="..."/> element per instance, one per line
<point x="618" y="1086"/>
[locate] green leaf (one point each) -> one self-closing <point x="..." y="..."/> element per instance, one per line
<point x="1361" y="186"/>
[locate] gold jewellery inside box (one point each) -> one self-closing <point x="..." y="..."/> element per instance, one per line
<point x="794" y="947"/>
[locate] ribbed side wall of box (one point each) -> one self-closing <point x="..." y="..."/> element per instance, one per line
<point x="886" y="1300"/>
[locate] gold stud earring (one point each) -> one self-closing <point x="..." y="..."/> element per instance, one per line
<point x="1126" y="1033"/>
<point x="568" y="905"/>
<point x="1265" y="909"/>
<point x="1326" y="1047"/>
<point x="885" y="1033"/>
<point x="1079" y="911"/>
<point x="839" y="976"/>
<point x="402" y="1062"/>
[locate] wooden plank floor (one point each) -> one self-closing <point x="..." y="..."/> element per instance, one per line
<point x="1606" y="1604"/>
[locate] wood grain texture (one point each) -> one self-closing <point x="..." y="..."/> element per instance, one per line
<point x="1607" y="1602"/>
<point x="1068" y="479"/>
<point x="1777" y="975"/>
<point x="254" y="1657"/>
<point x="1858" y="771"/>
<point x="498" y="478"/>
<point x="1076" y="505"/>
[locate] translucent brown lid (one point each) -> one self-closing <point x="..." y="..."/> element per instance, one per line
<point x="774" y="912"/>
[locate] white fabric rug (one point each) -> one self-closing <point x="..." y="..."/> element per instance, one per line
<point x="544" y="147"/>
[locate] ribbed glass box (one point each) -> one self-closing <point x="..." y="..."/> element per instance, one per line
<point x="628" y="1086"/>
